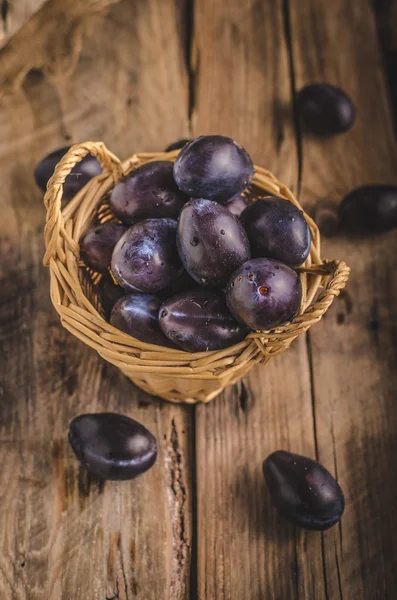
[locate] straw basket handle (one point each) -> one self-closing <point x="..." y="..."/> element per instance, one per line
<point x="55" y="225"/>
<point x="339" y="272"/>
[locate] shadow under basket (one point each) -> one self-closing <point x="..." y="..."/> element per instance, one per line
<point x="174" y="375"/>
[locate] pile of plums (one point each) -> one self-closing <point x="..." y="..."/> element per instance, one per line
<point x="324" y="110"/>
<point x="196" y="266"/>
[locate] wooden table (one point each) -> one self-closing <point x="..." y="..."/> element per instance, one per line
<point x="138" y="75"/>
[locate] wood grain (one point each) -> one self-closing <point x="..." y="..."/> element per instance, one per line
<point x="64" y="535"/>
<point x="241" y="84"/>
<point x="243" y="89"/>
<point x="354" y="354"/>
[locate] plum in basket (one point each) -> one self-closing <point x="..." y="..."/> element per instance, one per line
<point x="97" y="244"/>
<point x="177" y="145"/>
<point x="277" y="229"/>
<point x="145" y="259"/>
<point x="214" y="167"/>
<point x="236" y="205"/>
<point x="137" y="315"/>
<point x="200" y="321"/>
<point x="264" y="293"/>
<point x="211" y="242"/>
<point x="147" y="192"/>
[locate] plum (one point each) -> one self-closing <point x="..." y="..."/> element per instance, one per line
<point x="181" y="282"/>
<point x="108" y="293"/>
<point x="85" y="170"/>
<point x="112" y="446"/>
<point x="97" y="244"/>
<point x="369" y="209"/>
<point x="325" y="214"/>
<point x="303" y="491"/>
<point x="177" y="145"/>
<point x="277" y="229"/>
<point x="211" y="242"/>
<point x="236" y="205"/>
<point x="214" y="167"/>
<point x="325" y="109"/>
<point x="137" y="315"/>
<point x="200" y="321"/>
<point x="145" y="259"/>
<point x="264" y="293"/>
<point x="148" y="191"/>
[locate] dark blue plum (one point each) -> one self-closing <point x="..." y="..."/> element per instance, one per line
<point x="277" y="229"/>
<point x="97" y="244"/>
<point x="85" y="170"/>
<point x="369" y="209"/>
<point x="181" y="282"/>
<point x="325" y="109"/>
<point x="177" y="145"/>
<point x="108" y="293"/>
<point x="112" y="446"/>
<point x="211" y="242"/>
<point x="303" y="491"/>
<point x="236" y="205"/>
<point x="213" y="167"/>
<point x="200" y="321"/>
<point x="146" y="259"/>
<point x="148" y="191"/>
<point x="264" y="293"/>
<point x="325" y="214"/>
<point x="137" y="315"/>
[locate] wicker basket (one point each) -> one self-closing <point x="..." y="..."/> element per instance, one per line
<point x="171" y="374"/>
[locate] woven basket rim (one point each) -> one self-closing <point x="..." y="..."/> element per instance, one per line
<point x="78" y="315"/>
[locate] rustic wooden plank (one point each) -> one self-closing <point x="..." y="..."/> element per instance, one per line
<point x="245" y="551"/>
<point x="241" y="85"/>
<point x="63" y="534"/>
<point x="354" y="353"/>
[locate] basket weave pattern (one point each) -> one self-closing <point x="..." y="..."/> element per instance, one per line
<point x="171" y="374"/>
